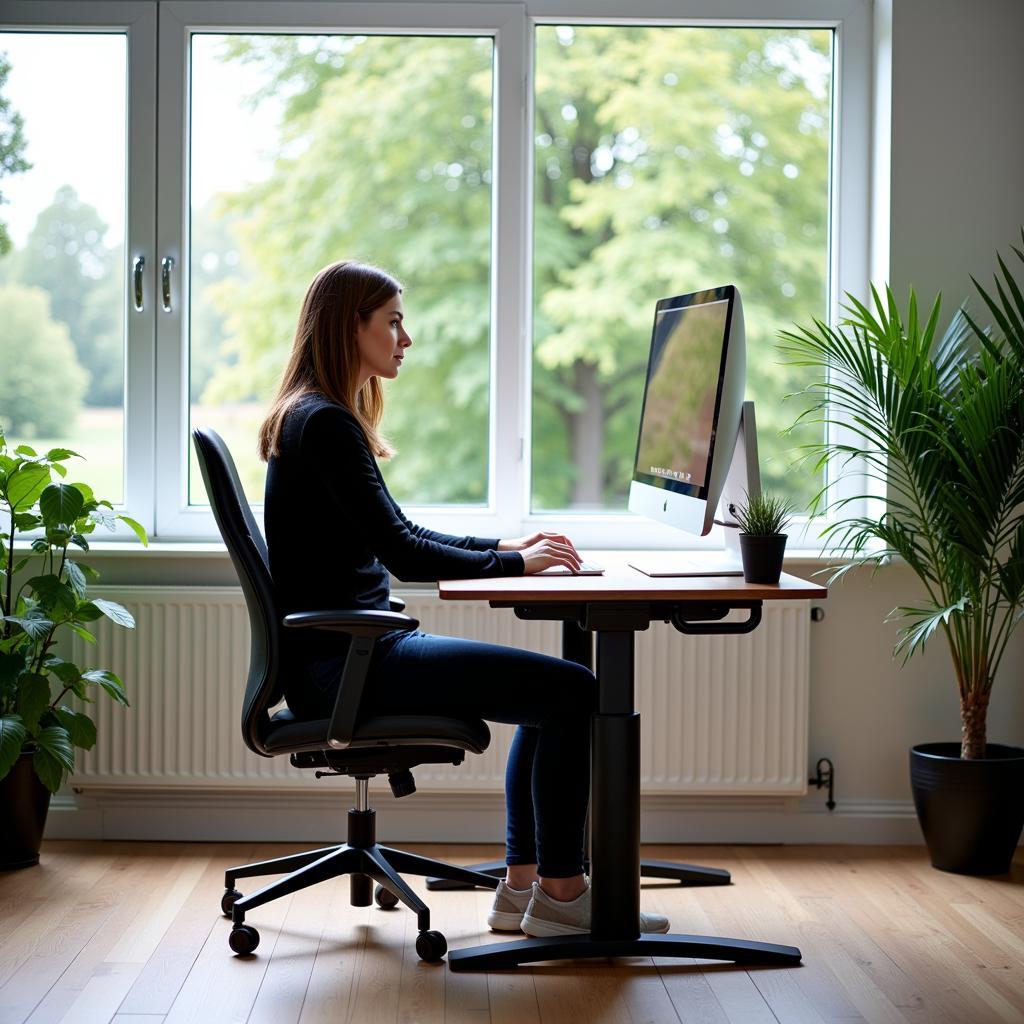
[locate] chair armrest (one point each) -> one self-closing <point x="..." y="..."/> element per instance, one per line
<point x="364" y="627"/>
<point x="353" y="621"/>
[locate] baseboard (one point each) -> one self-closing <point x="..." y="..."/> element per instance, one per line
<point x="210" y="815"/>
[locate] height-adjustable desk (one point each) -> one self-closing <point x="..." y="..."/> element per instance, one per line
<point x="615" y="606"/>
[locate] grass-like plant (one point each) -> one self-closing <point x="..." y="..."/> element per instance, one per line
<point x="764" y="515"/>
<point x="939" y="422"/>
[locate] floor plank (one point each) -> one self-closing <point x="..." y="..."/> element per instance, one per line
<point x="132" y="933"/>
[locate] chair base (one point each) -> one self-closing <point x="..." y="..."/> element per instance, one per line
<point x="365" y="862"/>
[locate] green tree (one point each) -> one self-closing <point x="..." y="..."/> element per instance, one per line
<point x="41" y="385"/>
<point x="215" y="258"/>
<point x="12" y="144"/>
<point x="66" y="255"/>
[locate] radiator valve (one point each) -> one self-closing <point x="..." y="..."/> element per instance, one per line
<point x="826" y="777"/>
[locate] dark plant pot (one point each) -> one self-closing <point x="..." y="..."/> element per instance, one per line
<point x="762" y="557"/>
<point x="24" y="801"/>
<point x="971" y="811"/>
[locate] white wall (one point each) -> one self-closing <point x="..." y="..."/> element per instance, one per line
<point x="866" y="711"/>
<point x="957" y="186"/>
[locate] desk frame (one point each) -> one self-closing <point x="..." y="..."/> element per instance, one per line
<point x="615" y="788"/>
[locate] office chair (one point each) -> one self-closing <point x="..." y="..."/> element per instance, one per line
<point x="340" y="745"/>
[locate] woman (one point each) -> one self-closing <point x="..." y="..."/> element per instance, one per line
<point x="334" y="534"/>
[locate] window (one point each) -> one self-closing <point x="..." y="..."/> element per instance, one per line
<point x="535" y="179"/>
<point x="667" y="160"/>
<point x="62" y="294"/>
<point x="376" y="147"/>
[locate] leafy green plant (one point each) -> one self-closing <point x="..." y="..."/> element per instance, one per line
<point x="939" y="422"/>
<point x="51" y="601"/>
<point x="764" y="515"/>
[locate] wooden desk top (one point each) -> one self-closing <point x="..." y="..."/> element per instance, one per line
<point x="621" y="582"/>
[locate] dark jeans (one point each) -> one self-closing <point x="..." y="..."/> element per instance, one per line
<point x="547" y="777"/>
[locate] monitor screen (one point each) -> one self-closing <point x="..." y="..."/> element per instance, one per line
<point x="682" y="397"/>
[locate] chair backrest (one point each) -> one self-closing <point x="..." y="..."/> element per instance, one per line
<point x="248" y="551"/>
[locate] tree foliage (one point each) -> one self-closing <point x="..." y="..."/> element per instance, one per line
<point x="66" y="255"/>
<point x="41" y="383"/>
<point x="12" y="144"/>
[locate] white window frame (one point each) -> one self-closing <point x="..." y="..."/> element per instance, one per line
<point x="156" y="381"/>
<point x="137" y="20"/>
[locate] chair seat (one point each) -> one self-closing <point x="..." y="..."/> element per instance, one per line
<point x="288" y="733"/>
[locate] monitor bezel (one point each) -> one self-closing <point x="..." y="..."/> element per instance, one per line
<point x="702" y="297"/>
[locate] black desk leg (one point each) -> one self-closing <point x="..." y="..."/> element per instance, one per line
<point x="578" y="646"/>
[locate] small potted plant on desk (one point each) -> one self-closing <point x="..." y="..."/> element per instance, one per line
<point x="762" y="521"/>
<point x="38" y="731"/>
<point x="939" y="423"/>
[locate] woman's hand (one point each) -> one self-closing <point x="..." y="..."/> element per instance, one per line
<point x="542" y="550"/>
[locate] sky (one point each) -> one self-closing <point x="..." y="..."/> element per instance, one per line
<point x="70" y="90"/>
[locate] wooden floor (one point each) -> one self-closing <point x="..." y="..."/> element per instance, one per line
<point x="131" y="932"/>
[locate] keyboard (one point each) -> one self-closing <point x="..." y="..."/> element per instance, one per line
<point x="585" y="569"/>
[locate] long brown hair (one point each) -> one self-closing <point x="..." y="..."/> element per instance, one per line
<point x="325" y="354"/>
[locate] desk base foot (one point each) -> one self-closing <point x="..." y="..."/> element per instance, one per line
<point x="493" y="867"/>
<point x="503" y="955"/>
<point x="685" y="874"/>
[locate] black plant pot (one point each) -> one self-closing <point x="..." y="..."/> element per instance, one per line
<point x="24" y="801"/>
<point x="971" y="811"/>
<point x="762" y="557"/>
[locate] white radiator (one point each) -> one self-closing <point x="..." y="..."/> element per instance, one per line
<point x="722" y="715"/>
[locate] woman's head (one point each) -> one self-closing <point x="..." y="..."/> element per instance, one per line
<point x="347" y="308"/>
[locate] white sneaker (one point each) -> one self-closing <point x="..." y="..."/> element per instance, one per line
<point x="508" y="908"/>
<point x="547" y="916"/>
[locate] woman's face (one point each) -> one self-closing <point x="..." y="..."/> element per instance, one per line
<point x="382" y="341"/>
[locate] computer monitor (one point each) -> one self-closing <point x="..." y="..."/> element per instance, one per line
<point x="692" y="411"/>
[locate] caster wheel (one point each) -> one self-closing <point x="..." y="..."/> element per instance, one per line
<point x="243" y="939"/>
<point x="228" y="900"/>
<point x="385" y="898"/>
<point x="431" y="946"/>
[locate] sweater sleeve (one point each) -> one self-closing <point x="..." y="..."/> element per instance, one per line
<point x="335" y="448"/>
<point x="467" y="543"/>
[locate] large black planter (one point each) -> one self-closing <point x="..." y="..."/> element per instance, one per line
<point x="762" y="556"/>
<point x="24" y="801"/>
<point x="971" y="811"/>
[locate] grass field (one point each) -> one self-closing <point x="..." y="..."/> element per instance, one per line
<point x="98" y="437"/>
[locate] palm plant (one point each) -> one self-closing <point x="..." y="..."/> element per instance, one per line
<point x="940" y="424"/>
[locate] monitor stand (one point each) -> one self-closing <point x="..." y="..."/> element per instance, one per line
<point x="743" y="481"/>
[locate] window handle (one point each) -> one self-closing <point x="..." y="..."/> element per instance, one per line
<point x="138" y="265"/>
<point x="166" y="266"/>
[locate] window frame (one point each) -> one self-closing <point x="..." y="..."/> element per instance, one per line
<point x="137" y="19"/>
<point x="156" y="414"/>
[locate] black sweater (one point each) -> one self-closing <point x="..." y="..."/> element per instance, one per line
<point x="334" y="532"/>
